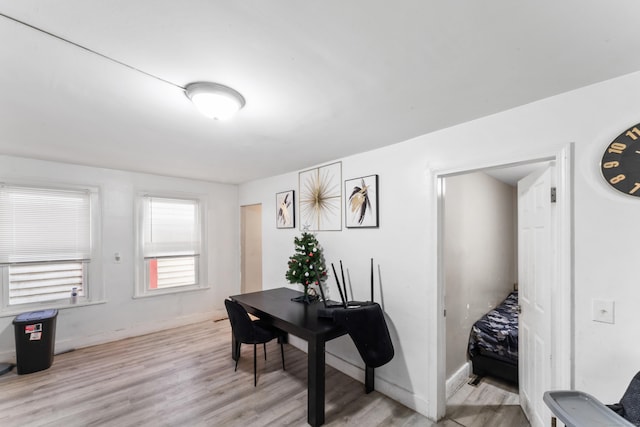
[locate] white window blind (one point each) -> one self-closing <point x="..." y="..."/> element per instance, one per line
<point x="45" y="242"/>
<point x="171" y="241"/>
<point x="171" y="272"/>
<point x="172" y="227"/>
<point x="41" y="224"/>
<point x="29" y="283"/>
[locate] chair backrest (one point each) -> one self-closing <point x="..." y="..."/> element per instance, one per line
<point x="368" y="330"/>
<point x="241" y="323"/>
<point x="631" y="401"/>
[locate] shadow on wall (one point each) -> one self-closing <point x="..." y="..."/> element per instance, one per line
<point x="8" y="335"/>
<point x="398" y="365"/>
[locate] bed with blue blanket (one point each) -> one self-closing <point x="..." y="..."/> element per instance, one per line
<point x="493" y="341"/>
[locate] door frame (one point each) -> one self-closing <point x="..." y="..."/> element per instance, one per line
<point x="562" y="308"/>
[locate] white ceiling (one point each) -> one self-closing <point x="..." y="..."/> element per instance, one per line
<point x="322" y="79"/>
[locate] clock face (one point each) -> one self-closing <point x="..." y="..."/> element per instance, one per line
<point x="621" y="162"/>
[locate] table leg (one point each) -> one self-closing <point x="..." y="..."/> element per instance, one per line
<point x="315" y="391"/>
<point x="369" y="378"/>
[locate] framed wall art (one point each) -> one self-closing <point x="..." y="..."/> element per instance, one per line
<point x="361" y="202"/>
<point x="285" y="209"/>
<point x="321" y="198"/>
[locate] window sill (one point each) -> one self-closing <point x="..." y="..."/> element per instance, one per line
<point x="170" y="291"/>
<point x="14" y="311"/>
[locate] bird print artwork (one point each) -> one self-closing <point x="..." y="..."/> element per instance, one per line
<point x="359" y="201"/>
<point x="284" y="210"/>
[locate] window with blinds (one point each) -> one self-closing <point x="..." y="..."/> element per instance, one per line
<point x="45" y="242"/>
<point x="171" y="242"/>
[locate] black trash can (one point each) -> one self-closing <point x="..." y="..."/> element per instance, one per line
<point x="35" y="340"/>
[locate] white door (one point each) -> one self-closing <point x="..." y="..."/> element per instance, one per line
<point x="251" y="248"/>
<point x="534" y="283"/>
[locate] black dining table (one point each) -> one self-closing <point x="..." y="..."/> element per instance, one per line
<point x="274" y="306"/>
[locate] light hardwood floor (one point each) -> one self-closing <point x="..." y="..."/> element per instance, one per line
<point x="185" y="377"/>
<point x="490" y="403"/>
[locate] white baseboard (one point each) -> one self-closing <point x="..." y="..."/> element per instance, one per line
<point x="458" y="379"/>
<point x="137" y="330"/>
<point x="73" y="343"/>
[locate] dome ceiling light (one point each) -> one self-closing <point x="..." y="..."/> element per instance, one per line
<point x="214" y="100"/>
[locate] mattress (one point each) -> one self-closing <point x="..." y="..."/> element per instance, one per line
<point x="496" y="333"/>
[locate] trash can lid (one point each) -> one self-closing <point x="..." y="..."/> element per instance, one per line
<point x="34" y="316"/>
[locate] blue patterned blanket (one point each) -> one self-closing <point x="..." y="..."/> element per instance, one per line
<point x="496" y="333"/>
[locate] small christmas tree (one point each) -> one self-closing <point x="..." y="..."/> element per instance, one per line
<point x="307" y="265"/>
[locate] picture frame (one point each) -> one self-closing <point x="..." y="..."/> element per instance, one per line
<point x="361" y="202"/>
<point x="285" y="209"/>
<point x="321" y="198"/>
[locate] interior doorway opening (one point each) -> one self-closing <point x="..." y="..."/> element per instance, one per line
<point x="480" y="246"/>
<point x="251" y="248"/>
<point x="561" y="371"/>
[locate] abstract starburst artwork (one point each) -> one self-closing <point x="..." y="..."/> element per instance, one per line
<point x="321" y="198"/>
<point x="361" y="200"/>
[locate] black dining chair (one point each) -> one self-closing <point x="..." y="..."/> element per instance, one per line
<point x="247" y="331"/>
<point x="629" y="406"/>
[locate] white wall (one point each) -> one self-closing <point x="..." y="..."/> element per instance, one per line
<point x="120" y="315"/>
<point x="480" y="255"/>
<point x="606" y="232"/>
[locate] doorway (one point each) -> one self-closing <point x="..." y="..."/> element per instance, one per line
<point x="560" y="311"/>
<point x="480" y="258"/>
<point x="251" y="248"/>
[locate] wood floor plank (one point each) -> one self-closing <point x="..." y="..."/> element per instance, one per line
<point x="185" y="377"/>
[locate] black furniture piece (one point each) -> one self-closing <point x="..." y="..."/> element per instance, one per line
<point x="247" y="331"/>
<point x="275" y="307"/>
<point x="629" y="406"/>
<point x="367" y="328"/>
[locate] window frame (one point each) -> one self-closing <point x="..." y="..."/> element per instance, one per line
<point x="93" y="283"/>
<point x="141" y="290"/>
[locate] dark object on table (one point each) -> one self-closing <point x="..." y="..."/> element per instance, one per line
<point x="247" y="331"/>
<point x="365" y="323"/>
<point x="493" y="341"/>
<point x="330" y="305"/>
<point x="368" y="330"/>
<point x="35" y="334"/>
<point x="305" y="299"/>
<point x="629" y="406"/>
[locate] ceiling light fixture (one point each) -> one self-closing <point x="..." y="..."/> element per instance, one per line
<point x="214" y="100"/>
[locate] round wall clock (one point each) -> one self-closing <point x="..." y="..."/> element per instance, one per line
<point x="621" y="162"/>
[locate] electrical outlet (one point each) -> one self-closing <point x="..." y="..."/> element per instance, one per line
<point x="603" y="311"/>
<point x="117" y="259"/>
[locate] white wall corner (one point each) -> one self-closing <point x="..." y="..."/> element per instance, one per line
<point x="457" y="380"/>
<point x="393" y="391"/>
